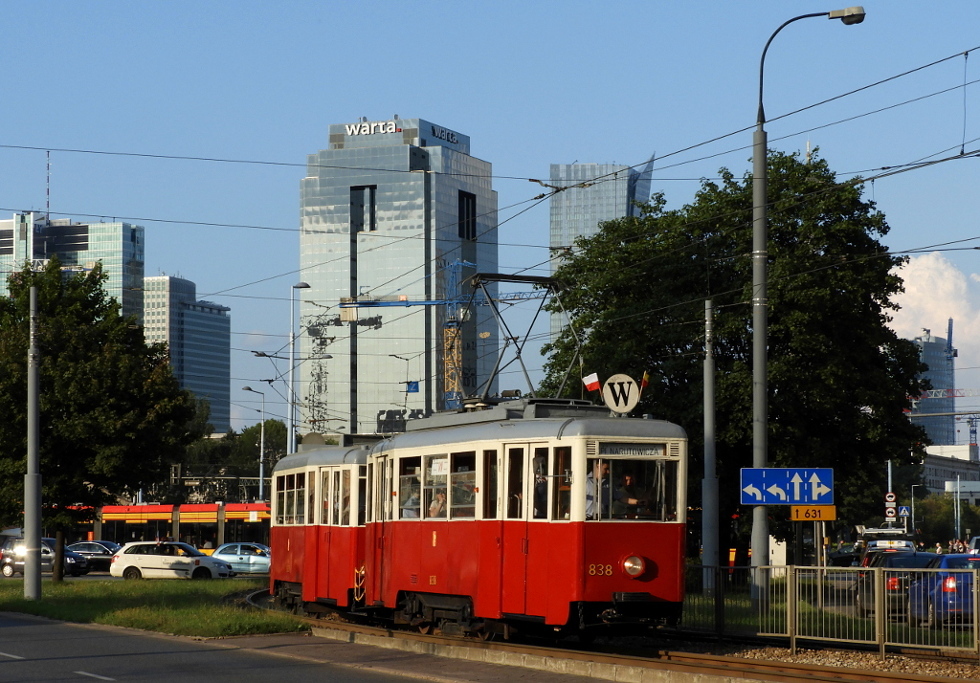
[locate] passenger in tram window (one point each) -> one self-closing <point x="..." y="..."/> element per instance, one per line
<point x="540" y="488"/>
<point x="410" y="509"/>
<point x="437" y="508"/>
<point x="628" y="498"/>
<point x="597" y="486"/>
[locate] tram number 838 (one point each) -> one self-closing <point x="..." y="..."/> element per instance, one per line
<point x="600" y="570"/>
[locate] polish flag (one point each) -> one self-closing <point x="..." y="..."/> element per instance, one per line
<point x="591" y="382"/>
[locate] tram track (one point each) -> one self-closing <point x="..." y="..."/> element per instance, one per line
<point x="631" y="662"/>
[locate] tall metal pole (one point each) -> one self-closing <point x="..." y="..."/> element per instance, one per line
<point x="709" y="485"/>
<point x="32" y="480"/>
<point x="291" y="408"/>
<point x="262" y="454"/>
<point x="261" y="444"/>
<point x="760" y="320"/>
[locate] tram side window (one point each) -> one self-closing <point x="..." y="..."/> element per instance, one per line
<point x="489" y="484"/>
<point x="325" y="498"/>
<point x="363" y="500"/>
<point x="515" y="483"/>
<point x="345" y="497"/>
<point x="436" y="472"/>
<point x="301" y="497"/>
<point x="311" y="497"/>
<point x="290" y="495"/>
<point x="561" y="483"/>
<point x="409" y="473"/>
<point x="281" y="499"/>
<point x="335" y="498"/>
<point x="540" y="486"/>
<point x="463" y="485"/>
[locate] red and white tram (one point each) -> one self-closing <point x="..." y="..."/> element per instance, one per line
<point x="527" y="515"/>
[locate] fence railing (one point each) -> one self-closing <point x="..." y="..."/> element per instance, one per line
<point x="925" y="608"/>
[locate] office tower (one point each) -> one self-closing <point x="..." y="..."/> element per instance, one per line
<point x="198" y="334"/>
<point x="606" y="192"/>
<point x="31" y="237"/>
<point x="938" y="354"/>
<point x="393" y="213"/>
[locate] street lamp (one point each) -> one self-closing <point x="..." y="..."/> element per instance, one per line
<point x="760" y="255"/>
<point x="261" y="445"/>
<point x="291" y="409"/>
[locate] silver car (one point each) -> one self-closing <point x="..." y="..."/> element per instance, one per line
<point x="245" y="558"/>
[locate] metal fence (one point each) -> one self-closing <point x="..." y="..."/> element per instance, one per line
<point x="923" y="608"/>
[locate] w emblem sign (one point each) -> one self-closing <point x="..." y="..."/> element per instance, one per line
<point x="621" y="393"/>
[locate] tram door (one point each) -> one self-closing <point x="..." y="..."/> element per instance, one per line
<point x="514" y="534"/>
<point x="382" y="509"/>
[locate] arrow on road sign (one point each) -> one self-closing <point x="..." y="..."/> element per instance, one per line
<point x="778" y="492"/>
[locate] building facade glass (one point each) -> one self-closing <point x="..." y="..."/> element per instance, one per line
<point x="198" y="335"/>
<point x="30" y="237"/>
<point x="938" y="354"/>
<point x="395" y="214"/>
<point x="609" y="191"/>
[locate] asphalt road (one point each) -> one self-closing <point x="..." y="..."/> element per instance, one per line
<point x="37" y="649"/>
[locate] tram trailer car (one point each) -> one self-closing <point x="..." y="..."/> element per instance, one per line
<point x="530" y="516"/>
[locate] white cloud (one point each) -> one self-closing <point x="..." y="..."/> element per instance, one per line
<point x="935" y="291"/>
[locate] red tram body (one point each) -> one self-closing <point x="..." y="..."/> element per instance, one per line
<point x="529" y="515"/>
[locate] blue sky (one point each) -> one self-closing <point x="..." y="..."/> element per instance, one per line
<point x="531" y="83"/>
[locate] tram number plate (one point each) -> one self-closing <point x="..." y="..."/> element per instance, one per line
<point x="813" y="513"/>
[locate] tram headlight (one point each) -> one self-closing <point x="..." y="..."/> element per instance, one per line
<point x="634" y="566"/>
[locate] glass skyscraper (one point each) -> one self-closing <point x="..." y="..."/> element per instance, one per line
<point x="198" y="335"/>
<point x="608" y="191"/>
<point x="31" y="237"/>
<point x="938" y="354"/>
<point x="395" y="214"/>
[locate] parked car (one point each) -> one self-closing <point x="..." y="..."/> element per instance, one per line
<point x="245" y="558"/>
<point x="13" y="554"/>
<point x="895" y="582"/>
<point x="166" y="560"/>
<point x="936" y="598"/>
<point x="98" y="553"/>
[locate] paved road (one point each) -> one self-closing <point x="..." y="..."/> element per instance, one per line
<point x="37" y="649"/>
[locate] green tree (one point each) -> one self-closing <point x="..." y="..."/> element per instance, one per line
<point x="839" y="378"/>
<point x="112" y="417"/>
<point x="246" y="456"/>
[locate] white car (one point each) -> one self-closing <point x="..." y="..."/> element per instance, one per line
<point x="166" y="560"/>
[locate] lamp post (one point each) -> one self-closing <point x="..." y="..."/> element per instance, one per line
<point x="760" y="255"/>
<point x="291" y="408"/>
<point x="261" y="445"/>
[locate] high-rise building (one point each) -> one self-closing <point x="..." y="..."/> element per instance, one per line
<point x="393" y="213"/>
<point x="607" y="192"/>
<point x="198" y="335"/>
<point x="938" y="354"/>
<point x="31" y="237"/>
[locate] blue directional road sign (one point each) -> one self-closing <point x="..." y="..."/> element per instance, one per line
<point x="780" y="486"/>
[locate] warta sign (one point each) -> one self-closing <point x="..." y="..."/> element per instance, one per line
<point x="371" y="128"/>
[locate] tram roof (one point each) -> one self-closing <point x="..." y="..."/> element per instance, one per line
<point x="528" y="419"/>
<point x="325" y="455"/>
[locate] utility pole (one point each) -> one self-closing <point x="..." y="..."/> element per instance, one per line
<point x="32" y="480"/>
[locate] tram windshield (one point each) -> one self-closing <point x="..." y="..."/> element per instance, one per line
<point x="631" y="489"/>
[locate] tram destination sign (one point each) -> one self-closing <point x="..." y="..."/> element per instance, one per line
<point x="787" y="486"/>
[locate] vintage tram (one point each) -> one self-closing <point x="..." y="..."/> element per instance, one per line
<point x="530" y="515"/>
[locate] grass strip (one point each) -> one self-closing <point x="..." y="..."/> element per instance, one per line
<point x="204" y="609"/>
